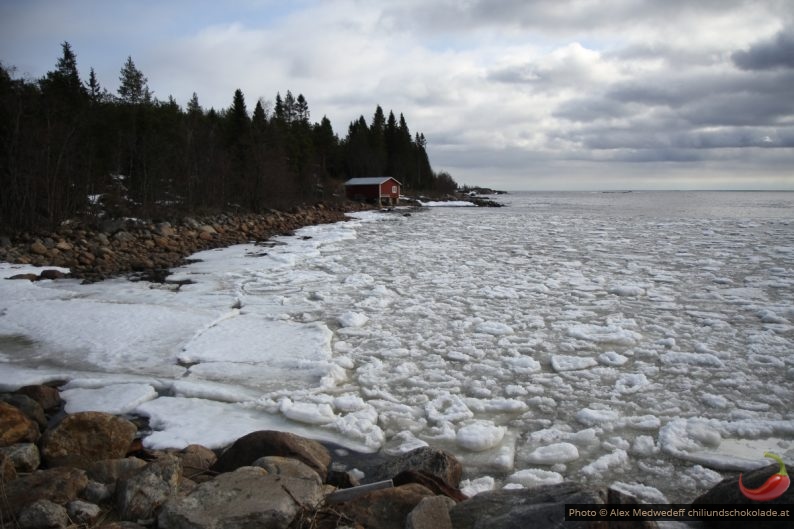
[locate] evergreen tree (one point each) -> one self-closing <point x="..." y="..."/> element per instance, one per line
<point x="302" y="109"/>
<point x="95" y="93"/>
<point x="289" y="108"/>
<point x="133" y="89"/>
<point x="259" y="119"/>
<point x="193" y="106"/>
<point x="279" y="108"/>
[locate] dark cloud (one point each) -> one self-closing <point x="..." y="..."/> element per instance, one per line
<point x="777" y="52"/>
<point x="552" y="16"/>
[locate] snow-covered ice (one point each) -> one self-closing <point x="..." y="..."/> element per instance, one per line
<point x="611" y="339"/>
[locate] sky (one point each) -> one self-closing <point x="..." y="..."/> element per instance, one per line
<point x="511" y="94"/>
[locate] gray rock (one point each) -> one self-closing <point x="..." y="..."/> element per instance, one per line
<point x="436" y="462"/>
<point x="43" y="514"/>
<point x="539" y="508"/>
<point x="191" y="223"/>
<point x="140" y="497"/>
<point x="83" y="512"/>
<point x="110" y="470"/>
<point x="59" y="485"/>
<point x="431" y="513"/>
<point x="284" y="466"/>
<point x="97" y="492"/>
<point x="24" y="456"/>
<point x="247" y="497"/>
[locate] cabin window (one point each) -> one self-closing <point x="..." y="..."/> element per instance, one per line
<point x="394" y="189"/>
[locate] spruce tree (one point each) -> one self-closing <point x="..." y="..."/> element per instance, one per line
<point x="133" y="89"/>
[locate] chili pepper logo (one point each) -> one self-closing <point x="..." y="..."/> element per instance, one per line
<point x="774" y="487"/>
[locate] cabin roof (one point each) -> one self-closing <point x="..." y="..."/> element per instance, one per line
<point x="374" y="180"/>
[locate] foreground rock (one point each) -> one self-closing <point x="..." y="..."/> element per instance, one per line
<point x="246" y="497"/>
<point x="251" y="447"/>
<point x="58" y="485"/>
<point x="270" y="479"/>
<point x="85" y="437"/>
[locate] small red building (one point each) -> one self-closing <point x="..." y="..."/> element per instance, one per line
<point x="380" y="189"/>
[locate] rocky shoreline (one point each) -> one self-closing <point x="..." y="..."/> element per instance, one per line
<point x="90" y="469"/>
<point x="123" y="246"/>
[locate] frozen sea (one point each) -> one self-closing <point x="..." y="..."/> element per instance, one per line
<point x="641" y="340"/>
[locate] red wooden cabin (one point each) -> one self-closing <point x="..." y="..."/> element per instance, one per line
<point x="380" y="189"/>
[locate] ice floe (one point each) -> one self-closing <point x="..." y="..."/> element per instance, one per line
<point x="648" y="346"/>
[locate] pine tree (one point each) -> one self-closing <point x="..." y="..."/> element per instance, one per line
<point x="302" y="109"/>
<point x="289" y="108"/>
<point x="193" y="106"/>
<point x="259" y="119"/>
<point x="94" y="90"/>
<point x="133" y="89"/>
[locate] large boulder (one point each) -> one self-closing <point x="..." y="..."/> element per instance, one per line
<point x="246" y="497"/>
<point x="426" y="459"/>
<point x="140" y="497"/>
<point x="727" y="492"/>
<point x="251" y="447"/>
<point x="385" y="508"/>
<point x="539" y="508"/>
<point x="85" y="437"/>
<point x="59" y="485"/>
<point x="15" y="426"/>
<point x="49" y="398"/>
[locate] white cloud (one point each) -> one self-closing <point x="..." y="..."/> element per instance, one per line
<point x="501" y="88"/>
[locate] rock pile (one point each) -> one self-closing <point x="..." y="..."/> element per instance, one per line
<point x="87" y="468"/>
<point x="121" y="246"/>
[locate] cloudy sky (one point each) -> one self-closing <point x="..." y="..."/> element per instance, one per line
<point x="515" y="94"/>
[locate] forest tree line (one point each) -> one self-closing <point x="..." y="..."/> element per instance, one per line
<point x="70" y="148"/>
